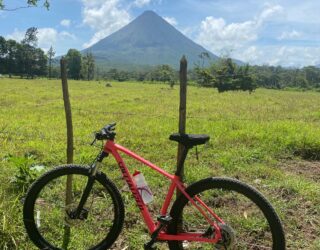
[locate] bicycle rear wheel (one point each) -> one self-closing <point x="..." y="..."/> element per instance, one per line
<point x="46" y="214"/>
<point x="250" y="220"/>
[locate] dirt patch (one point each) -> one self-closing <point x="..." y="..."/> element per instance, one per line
<point x="300" y="220"/>
<point x="301" y="217"/>
<point x="311" y="153"/>
<point x="308" y="169"/>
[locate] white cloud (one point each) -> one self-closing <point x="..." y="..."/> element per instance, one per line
<point x="16" y="35"/>
<point x="280" y="55"/>
<point x="250" y="54"/>
<point x="67" y="35"/>
<point x="289" y="35"/>
<point x="46" y="37"/>
<point x="65" y="22"/>
<point x="171" y="20"/>
<point x="104" y="17"/>
<point x="141" y="3"/>
<point x="268" y="12"/>
<point x="240" y="40"/>
<point x="218" y="36"/>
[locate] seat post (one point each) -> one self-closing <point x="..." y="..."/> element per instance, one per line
<point x="182" y="160"/>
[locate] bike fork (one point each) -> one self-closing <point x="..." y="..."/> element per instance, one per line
<point x="81" y="212"/>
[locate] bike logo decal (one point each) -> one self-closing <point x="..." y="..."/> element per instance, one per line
<point x="134" y="191"/>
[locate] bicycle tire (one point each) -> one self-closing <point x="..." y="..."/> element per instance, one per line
<point x="106" y="191"/>
<point x="215" y="186"/>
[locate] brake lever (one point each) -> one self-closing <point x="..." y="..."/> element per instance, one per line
<point x="93" y="142"/>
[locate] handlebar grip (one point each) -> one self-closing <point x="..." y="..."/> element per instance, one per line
<point x="107" y="132"/>
<point x="110" y="126"/>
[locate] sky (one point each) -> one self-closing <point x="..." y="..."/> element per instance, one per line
<point x="282" y="32"/>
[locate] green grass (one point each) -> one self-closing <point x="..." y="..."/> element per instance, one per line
<point x="259" y="138"/>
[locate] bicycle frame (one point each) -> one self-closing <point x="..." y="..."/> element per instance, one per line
<point x="112" y="148"/>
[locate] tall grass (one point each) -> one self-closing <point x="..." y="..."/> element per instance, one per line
<point x="253" y="138"/>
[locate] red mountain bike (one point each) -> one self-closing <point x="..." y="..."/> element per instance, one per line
<point x="213" y="213"/>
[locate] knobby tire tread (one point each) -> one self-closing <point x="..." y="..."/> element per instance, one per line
<point x="228" y="184"/>
<point x="39" y="184"/>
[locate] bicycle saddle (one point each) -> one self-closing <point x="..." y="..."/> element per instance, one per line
<point x="189" y="140"/>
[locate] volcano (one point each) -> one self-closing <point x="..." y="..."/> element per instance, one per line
<point x="146" y="41"/>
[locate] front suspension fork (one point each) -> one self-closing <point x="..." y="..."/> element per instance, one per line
<point x="93" y="170"/>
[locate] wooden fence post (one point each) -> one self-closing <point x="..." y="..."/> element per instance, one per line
<point x="182" y="106"/>
<point x="182" y="120"/>
<point x="67" y="108"/>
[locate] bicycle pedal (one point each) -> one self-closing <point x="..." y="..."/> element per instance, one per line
<point x="164" y="219"/>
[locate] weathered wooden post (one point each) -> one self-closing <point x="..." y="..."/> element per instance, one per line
<point x="67" y="108"/>
<point x="182" y="121"/>
<point x="182" y="106"/>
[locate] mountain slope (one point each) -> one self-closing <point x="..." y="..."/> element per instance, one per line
<point x="147" y="40"/>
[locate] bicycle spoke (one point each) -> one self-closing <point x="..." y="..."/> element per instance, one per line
<point x="51" y="213"/>
<point x="251" y="230"/>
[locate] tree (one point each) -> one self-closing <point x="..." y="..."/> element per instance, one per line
<point x="123" y="76"/>
<point x="40" y="63"/>
<point x="50" y="55"/>
<point x="245" y="81"/>
<point x="312" y="74"/>
<point x="112" y="74"/>
<point x="3" y="54"/>
<point x="87" y="68"/>
<point x="26" y="53"/>
<point x="225" y="75"/>
<point x="30" y="3"/>
<point x="204" y="78"/>
<point x="166" y="73"/>
<point x="162" y="73"/>
<point x="74" y="64"/>
<point x="30" y="37"/>
<point x="11" y="60"/>
<point x="203" y="56"/>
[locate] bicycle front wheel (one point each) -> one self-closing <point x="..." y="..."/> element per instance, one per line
<point x="250" y="221"/>
<point x="48" y="206"/>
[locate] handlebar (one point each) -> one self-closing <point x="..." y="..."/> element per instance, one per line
<point x="106" y="133"/>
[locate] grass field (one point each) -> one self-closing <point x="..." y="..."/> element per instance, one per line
<point x="270" y="139"/>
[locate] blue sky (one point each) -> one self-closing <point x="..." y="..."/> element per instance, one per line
<point x="283" y="32"/>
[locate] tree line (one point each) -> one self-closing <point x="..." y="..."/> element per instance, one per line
<point x="161" y="73"/>
<point x="24" y="59"/>
<point x="277" y="77"/>
<point x="225" y="75"/>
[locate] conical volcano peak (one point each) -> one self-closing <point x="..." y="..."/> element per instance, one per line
<point x="148" y="18"/>
<point x="149" y="13"/>
<point x="147" y="40"/>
